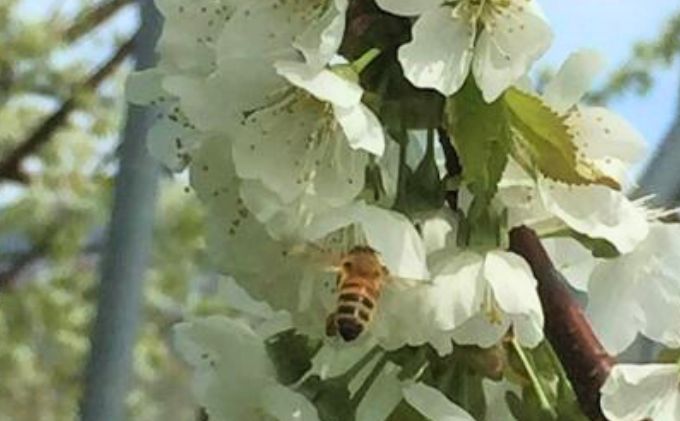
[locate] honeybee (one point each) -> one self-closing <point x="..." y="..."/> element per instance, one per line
<point x="361" y="276"/>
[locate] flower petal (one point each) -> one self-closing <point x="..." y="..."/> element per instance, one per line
<point x="635" y="392"/>
<point x="362" y="128"/>
<point x="572" y="260"/>
<point x="382" y="397"/>
<point x="321" y="41"/>
<point x="440" y="54"/>
<point x="390" y="233"/>
<point x="513" y="284"/>
<point x="514" y="289"/>
<point x="607" y="139"/>
<point x="288" y="148"/>
<point x="598" y="212"/>
<point x="612" y="307"/>
<point x="573" y="80"/>
<point x="284" y="404"/>
<point x="221" y="350"/>
<point x="405" y="317"/>
<point x="481" y="332"/>
<point x="324" y="85"/>
<point x="332" y="360"/>
<point x="459" y="289"/>
<point x="408" y="7"/>
<point x="432" y="404"/>
<point x="519" y="35"/>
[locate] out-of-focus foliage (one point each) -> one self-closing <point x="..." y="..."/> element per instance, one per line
<point x="637" y="73"/>
<point x="52" y="230"/>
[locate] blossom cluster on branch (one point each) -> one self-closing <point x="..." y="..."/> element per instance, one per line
<point x="317" y="129"/>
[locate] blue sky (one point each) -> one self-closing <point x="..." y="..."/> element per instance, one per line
<point x="609" y="26"/>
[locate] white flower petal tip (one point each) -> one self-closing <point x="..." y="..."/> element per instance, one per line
<point x="234" y="379"/>
<point x="479" y="297"/>
<point x="408" y="7"/>
<point x="320" y="42"/>
<point x="323" y="84"/>
<point x="362" y="128"/>
<point x="446" y="43"/>
<point x="516" y="36"/>
<point x="636" y="392"/>
<point x="638" y="292"/>
<point x="440" y="55"/>
<point x="284" y="404"/>
<point x="432" y="404"/>
<point x="144" y="87"/>
<point x="390" y="233"/>
<point x="573" y="80"/>
<point x="598" y="212"/>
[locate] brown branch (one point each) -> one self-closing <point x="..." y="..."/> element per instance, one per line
<point x="453" y="167"/>
<point x="9" y="276"/>
<point x="583" y="357"/>
<point x="10" y="163"/>
<point x="92" y="18"/>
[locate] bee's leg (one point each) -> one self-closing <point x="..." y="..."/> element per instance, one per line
<point x="331" y="326"/>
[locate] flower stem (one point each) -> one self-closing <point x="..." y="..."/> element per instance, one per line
<point x="367" y="58"/>
<point x="535" y="382"/>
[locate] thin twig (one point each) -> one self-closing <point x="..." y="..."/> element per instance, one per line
<point x="93" y="18"/>
<point x="453" y="167"/>
<point x="8" y="277"/>
<point x="10" y="164"/>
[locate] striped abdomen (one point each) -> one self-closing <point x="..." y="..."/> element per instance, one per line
<point x="356" y="304"/>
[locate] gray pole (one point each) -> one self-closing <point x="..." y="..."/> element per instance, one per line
<point x="125" y="259"/>
<point x="661" y="177"/>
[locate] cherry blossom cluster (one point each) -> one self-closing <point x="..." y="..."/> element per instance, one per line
<point x="308" y="127"/>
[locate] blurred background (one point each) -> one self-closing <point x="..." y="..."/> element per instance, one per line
<point x="62" y="69"/>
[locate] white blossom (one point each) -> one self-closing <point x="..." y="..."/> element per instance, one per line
<point x="498" y="39"/>
<point x="299" y="276"/>
<point x="639" y="292"/>
<point x="254" y="98"/>
<point x="234" y="380"/>
<point x="478" y="297"/>
<point x="602" y="138"/>
<point x="258" y="34"/>
<point x="190" y="30"/>
<point x="572" y="260"/>
<point x="637" y="392"/>
<point x="312" y="141"/>
<point x="186" y="50"/>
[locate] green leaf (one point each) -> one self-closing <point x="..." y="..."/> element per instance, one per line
<point x="405" y="412"/>
<point x="668" y="356"/>
<point x="599" y="247"/>
<point x="542" y="141"/>
<point x="291" y="354"/>
<point x="466" y="390"/>
<point x="331" y="398"/>
<point x="482" y="137"/>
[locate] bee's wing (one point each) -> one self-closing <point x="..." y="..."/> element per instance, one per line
<point x="324" y="258"/>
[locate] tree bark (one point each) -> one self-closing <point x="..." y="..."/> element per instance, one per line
<point x="583" y="357"/>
